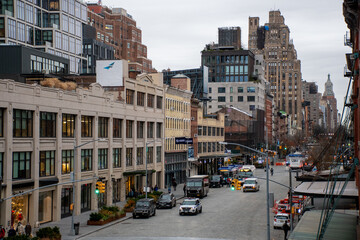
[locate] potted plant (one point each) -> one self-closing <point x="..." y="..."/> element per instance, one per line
<point x="49" y="233"/>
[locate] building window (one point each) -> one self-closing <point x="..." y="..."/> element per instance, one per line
<point x="240" y="98"/>
<point x="140" y="99"/>
<point x="129" y="128"/>
<point x="199" y="147"/>
<point x="150" y="100"/>
<point x="47" y="124"/>
<point x="158" y="130"/>
<point x="117" y="128"/>
<point x="117" y="157"/>
<point x="209" y="131"/>
<point x="231" y="98"/>
<point x="67" y="161"/>
<point x="150" y="154"/>
<point x="23" y="123"/>
<point x="140" y="130"/>
<point x="158" y="154"/>
<point x="210" y="90"/>
<point x="66" y="201"/>
<point x="251" y="89"/>
<point x="221" y="99"/>
<point x="86" y="159"/>
<point x="11" y="29"/>
<point x="251" y="98"/>
<point x="129" y="156"/>
<point x="150" y="130"/>
<point x="86" y="126"/>
<point x="204" y="130"/>
<point x="130" y="96"/>
<point x="252" y="107"/>
<point x="221" y="90"/>
<point x="1" y="165"/>
<point x="103" y="127"/>
<point x="103" y="158"/>
<point x="47" y="163"/>
<point x="1" y="122"/>
<point x="159" y="101"/>
<point x="140" y="156"/>
<point x="68" y="125"/>
<point x="86" y="197"/>
<point x="199" y="130"/>
<point x="21" y="165"/>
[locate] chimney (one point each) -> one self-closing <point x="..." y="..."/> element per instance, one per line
<point x="181" y="81"/>
<point x="133" y="74"/>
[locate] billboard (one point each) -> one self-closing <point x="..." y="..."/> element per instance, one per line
<point x="109" y="73"/>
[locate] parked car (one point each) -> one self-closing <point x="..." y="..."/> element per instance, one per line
<point x="251" y="184"/>
<point x="166" y="200"/>
<point x="190" y="206"/>
<point x="215" y="181"/>
<point x="280" y="219"/>
<point x="145" y="207"/>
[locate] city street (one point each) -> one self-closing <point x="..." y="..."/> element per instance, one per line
<point x="226" y="215"/>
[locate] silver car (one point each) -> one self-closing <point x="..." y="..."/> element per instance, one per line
<point x="190" y="206"/>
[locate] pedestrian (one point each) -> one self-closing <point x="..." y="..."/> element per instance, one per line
<point x="228" y="182"/>
<point x="174" y="183"/>
<point x="11" y="232"/>
<point x="28" y="229"/>
<point x="156" y="188"/>
<point x="272" y="171"/>
<point x="184" y="189"/>
<point x="2" y="232"/>
<point x="20" y="229"/>
<point x="286" y="228"/>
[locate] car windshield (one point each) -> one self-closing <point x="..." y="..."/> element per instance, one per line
<point x="189" y="202"/>
<point x="165" y="197"/>
<point x="194" y="184"/>
<point x="250" y="182"/>
<point x="282" y="217"/>
<point x="215" y="178"/>
<point x="142" y="204"/>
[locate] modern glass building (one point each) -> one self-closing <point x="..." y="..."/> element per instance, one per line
<point x="53" y="26"/>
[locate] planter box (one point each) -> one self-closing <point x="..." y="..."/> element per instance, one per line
<point x="99" y="223"/>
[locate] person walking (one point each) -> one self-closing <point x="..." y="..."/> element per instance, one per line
<point x="184" y="189"/>
<point x="286" y="228"/>
<point x="11" y="232"/>
<point x="2" y="232"/>
<point x="272" y="171"/>
<point x="28" y="229"/>
<point x="174" y="183"/>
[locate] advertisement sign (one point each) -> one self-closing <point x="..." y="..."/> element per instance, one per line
<point x="191" y="154"/>
<point x="109" y="73"/>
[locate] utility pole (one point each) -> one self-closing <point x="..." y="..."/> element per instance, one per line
<point x="290" y="199"/>
<point x="267" y="186"/>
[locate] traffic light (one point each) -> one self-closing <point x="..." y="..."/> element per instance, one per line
<point x="285" y="147"/>
<point x="233" y="184"/>
<point x="102" y="188"/>
<point x="238" y="186"/>
<point x="97" y="191"/>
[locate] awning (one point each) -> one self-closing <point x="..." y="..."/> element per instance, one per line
<point x="318" y="189"/>
<point x="341" y="226"/>
<point x="138" y="172"/>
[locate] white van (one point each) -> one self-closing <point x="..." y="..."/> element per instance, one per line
<point x="280" y="219"/>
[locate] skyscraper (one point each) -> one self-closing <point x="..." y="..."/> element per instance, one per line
<point x="331" y="109"/>
<point x="282" y="68"/>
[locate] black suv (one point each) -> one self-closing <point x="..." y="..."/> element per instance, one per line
<point x="215" y="181"/>
<point x="145" y="207"/>
<point x="166" y="200"/>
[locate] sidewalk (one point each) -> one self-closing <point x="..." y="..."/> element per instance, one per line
<point x="65" y="223"/>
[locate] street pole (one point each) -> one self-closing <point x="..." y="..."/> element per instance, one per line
<point x="146" y="175"/>
<point x="290" y="199"/>
<point x="72" y="230"/>
<point x="267" y="186"/>
<point x="187" y="161"/>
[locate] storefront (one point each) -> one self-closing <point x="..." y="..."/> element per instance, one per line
<point x="116" y="190"/>
<point x="85" y="197"/>
<point x="20" y="210"/>
<point x="45" y="206"/>
<point x="66" y="200"/>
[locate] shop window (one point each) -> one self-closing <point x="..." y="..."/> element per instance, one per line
<point x="85" y="197"/>
<point x="45" y="206"/>
<point x="19" y="209"/>
<point x="21" y="165"/>
<point x="129" y="156"/>
<point x="67" y="161"/>
<point x="103" y="158"/>
<point x="47" y="163"/>
<point x="23" y="123"/>
<point x="117" y="127"/>
<point x="129" y="128"/>
<point x="86" y="159"/>
<point x="117" y="157"/>
<point x="66" y="201"/>
<point x="140" y="156"/>
<point x="103" y="127"/>
<point x="47" y="124"/>
<point x="86" y="126"/>
<point x="68" y="125"/>
<point x="116" y="190"/>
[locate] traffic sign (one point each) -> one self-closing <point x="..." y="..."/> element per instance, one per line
<point x="183" y="140"/>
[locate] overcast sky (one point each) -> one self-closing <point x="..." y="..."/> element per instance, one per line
<point x="175" y="32"/>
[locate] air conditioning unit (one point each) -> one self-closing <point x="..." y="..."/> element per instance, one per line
<point x="195" y="135"/>
<point x="192" y="119"/>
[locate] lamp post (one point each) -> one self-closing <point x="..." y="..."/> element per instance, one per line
<point x="72" y="176"/>
<point x="267" y="180"/>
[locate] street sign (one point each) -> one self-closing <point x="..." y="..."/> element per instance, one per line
<point x="183" y="140"/>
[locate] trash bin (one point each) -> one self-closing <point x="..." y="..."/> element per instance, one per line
<point x="77" y="228"/>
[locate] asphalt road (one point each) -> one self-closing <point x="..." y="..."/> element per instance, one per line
<point x="226" y="215"/>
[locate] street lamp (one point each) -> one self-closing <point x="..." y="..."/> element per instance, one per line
<point x="72" y="175"/>
<point x="267" y="180"/>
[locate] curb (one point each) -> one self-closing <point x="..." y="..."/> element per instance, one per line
<point x="103" y="227"/>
